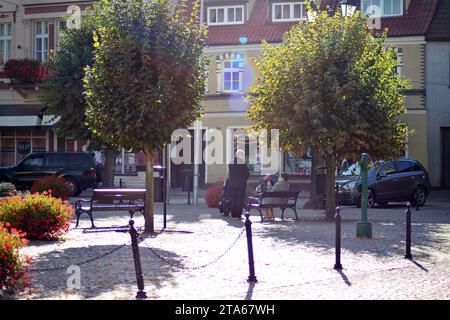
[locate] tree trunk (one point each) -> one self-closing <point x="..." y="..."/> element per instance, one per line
<point x="110" y="166"/>
<point x="330" y="196"/>
<point x="148" y="213"/>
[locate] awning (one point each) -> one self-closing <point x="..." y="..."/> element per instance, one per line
<point x="27" y="121"/>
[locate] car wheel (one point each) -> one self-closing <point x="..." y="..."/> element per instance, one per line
<point x="370" y="200"/>
<point x="420" y="196"/>
<point x="74" y="190"/>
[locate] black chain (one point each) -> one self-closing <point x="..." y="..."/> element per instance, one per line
<point x="183" y="267"/>
<point x="79" y="263"/>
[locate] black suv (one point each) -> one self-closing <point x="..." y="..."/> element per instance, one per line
<point x="76" y="168"/>
<point x="401" y="180"/>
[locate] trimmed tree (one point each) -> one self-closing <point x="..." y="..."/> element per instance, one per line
<point x="333" y="87"/>
<point x="64" y="92"/>
<point x="147" y="78"/>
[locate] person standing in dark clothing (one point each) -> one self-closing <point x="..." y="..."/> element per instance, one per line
<point x="238" y="174"/>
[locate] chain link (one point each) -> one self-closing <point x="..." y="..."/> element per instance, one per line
<point x="79" y="263"/>
<point x="183" y="267"/>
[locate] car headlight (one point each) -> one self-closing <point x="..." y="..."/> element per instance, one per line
<point x="349" y="186"/>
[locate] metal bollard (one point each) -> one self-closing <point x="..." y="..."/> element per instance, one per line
<point x="120" y="183"/>
<point x="251" y="262"/>
<point x="141" y="294"/>
<point x="337" y="216"/>
<point x="408" y="231"/>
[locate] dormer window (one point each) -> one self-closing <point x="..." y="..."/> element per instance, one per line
<point x="288" y="11"/>
<point x="385" y="8"/>
<point x="225" y="15"/>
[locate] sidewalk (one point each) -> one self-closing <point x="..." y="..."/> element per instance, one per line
<point x="293" y="259"/>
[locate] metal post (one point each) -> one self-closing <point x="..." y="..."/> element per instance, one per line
<point x="189" y="197"/>
<point x="336" y="187"/>
<point x="141" y="294"/>
<point x="364" y="228"/>
<point x="251" y="262"/>
<point x="164" y="197"/>
<point x="408" y="231"/>
<point x="338" y="265"/>
<point x="120" y="183"/>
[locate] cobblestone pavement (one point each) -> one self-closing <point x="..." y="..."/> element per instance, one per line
<point x="293" y="259"/>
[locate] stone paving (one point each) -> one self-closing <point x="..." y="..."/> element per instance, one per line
<point x="293" y="259"/>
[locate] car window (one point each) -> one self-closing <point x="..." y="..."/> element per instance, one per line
<point x="76" y="162"/>
<point x="404" y="166"/>
<point x="32" y="163"/>
<point x="388" y="168"/>
<point x="55" y="161"/>
<point x="415" y="167"/>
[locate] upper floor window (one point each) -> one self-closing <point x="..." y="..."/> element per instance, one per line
<point x="288" y="11"/>
<point x="5" y="42"/>
<point x="41" y="40"/>
<point x="399" y="66"/>
<point x="232" y="75"/>
<point x="385" y="8"/>
<point x="61" y="26"/>
<point x="225" y="15"/>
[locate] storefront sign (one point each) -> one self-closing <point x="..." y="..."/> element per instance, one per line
<point x="24" y="147"/>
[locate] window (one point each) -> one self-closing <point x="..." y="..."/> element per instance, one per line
<point x="385" y="7"/>
<point x="404" y="166"/>
<point x="388" y="168"/>
<point x="226" y="15"/>
<point x="61" y="26"/>
<point x="288" y="11"/>
<point x="54" y="161"/>
<point x="32" y="163"/>
<point x="5" y="42"/>
<point x="399" y="67"/>
<point x="41" y="44"/>
<point x="232" y="77"/>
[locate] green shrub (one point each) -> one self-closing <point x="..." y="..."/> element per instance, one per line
<point x="40" y="216"/>
<point x="14" y="267"/>
<point x="7" y="189"/>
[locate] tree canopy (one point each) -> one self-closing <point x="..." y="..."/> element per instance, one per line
<point x="147" y="78"/>
<point x="332" y="86"/>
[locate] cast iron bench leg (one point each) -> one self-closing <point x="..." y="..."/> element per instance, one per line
<point x="92" y="219"/>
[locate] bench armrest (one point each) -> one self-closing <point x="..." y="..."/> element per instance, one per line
<point x="78" y="204"/>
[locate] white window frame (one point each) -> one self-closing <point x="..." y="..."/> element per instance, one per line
<point x="382" y="3"/>
<point x="58" y="32"/>
<point x="291" y="11"/>
<point x="7" y="51"/>
<point x="233" y="70"/>
<point x="41" y="55"/>
<point x="225" y="15"/>
<point x="399" y="52"/>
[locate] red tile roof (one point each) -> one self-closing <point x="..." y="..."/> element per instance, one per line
<point x="415" y="21"/>
<point x="255" y="29"/>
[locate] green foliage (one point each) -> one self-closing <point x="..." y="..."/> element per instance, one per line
<point x="332" y="86"/>
<point x="7" y="189"/>
<point x="40" y="216"/>
<point x="63" y="94"/>
<point x="147" y="77"/>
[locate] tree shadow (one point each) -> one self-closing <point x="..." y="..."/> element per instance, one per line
<point x="110" y="273"/>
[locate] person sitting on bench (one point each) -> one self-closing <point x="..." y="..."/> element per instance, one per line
<point x="281" y="185"/>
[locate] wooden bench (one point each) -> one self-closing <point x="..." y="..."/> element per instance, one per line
<point x="289" y="202"/>
<point x="130" y="200"/>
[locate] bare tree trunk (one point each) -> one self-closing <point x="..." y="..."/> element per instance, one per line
<point x="330" y="196"/>
<point x="110" y="164"/>
<point x="148" y="213"/>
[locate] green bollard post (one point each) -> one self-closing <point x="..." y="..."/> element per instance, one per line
<point x="364" y="228"/>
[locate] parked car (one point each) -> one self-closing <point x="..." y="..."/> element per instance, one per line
<point x="77" y="168"/>
<point x="401" y="180"/>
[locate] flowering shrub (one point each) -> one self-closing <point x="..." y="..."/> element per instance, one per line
<point x="40" y="216"/>
<point x="213" y="194"/>
<point x="14" y="268"/>
<point x="7" y="189"/>
<point x="27" y="70"/>
<point x="55" y="185"/>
